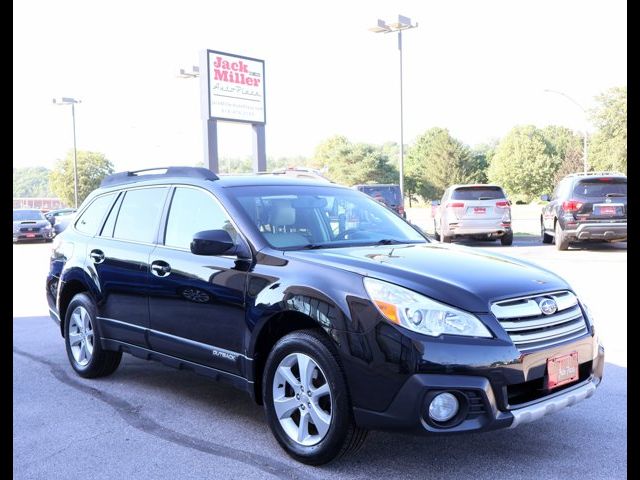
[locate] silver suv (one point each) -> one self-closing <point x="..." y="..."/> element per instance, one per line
<point x="479" y="211"/>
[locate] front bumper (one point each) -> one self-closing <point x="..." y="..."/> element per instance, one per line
<point x="481" y="408"/>
<point x="598" y="231"/>
<point x="30" y="237"/>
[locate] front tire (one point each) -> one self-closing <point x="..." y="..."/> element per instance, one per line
<point x="82" y="340"/>
<point x="306" y="399"/>
<point x="561" y="240"/>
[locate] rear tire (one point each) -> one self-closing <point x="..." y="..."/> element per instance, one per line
<point x="313" y="420"/>
<point x="444" y="238"/>
<point x="561" y="240"/>
<point x="546" y="238"/>
<point x="82" y="340"/>
<point x="436" y="235"/>
<point x="507" y="239"/>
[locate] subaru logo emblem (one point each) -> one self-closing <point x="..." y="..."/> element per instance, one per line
<point x="548" y="306"/>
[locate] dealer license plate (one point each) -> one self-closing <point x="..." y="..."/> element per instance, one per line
<point x="562" y="369"/>
<point x="602" y="209"/>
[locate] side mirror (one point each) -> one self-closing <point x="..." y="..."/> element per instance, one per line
<point x="212" y="242"/>
<point x="435" y="202"/>
<point x="544" y="198"/>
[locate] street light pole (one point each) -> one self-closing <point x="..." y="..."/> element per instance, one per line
<point x="403" y="23"/>
<point x="401" y="169"/>
<point x="585" y="159"/>
<point x="75" y="156"/>
<point x="72" y="102"/>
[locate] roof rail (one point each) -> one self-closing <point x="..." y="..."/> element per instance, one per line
<point x="154" y="173"/>
<point x="582" y="174"/>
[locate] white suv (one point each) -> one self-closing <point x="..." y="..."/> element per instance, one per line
<point x="479" y="211"/>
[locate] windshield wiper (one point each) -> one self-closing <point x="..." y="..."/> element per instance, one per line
<point x="390" y="241"/>
<point x="313" y="246"/>
<point x="609" y="195"/>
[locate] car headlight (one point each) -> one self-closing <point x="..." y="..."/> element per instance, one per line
<point x="420" y="314"/>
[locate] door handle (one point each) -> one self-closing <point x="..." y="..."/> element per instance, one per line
<point x="160" y="268"/>
<point x="97" y="256"/>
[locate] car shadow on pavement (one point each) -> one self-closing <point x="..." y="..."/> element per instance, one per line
<point x="587" y="440"/>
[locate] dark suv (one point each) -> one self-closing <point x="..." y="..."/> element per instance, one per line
<point x="585" y="207"/>
<point x="386" y="194"/>
<point x="336" y="327"/>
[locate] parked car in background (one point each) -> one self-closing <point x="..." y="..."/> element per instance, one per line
<point x="584" y="207"/>
<point x="30" y="225"/>
<point x="386" y="194"/>
<point x="51" y="215"/>
<point x="321" y="304"/>
<point x="478" y="211"/>
<point x="302" y="172"/>
<point x="62" y="222"/>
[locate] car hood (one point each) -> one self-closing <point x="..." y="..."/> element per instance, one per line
<point x="463" y="277"/>
<point x="31" y="223"/>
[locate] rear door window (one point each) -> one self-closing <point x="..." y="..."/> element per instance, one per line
<point x="139" y="215"/>
<point x="601" y="187"/>
<point x="477" y="193"/>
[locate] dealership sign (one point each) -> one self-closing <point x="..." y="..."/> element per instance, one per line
<point x="236" y="87"/>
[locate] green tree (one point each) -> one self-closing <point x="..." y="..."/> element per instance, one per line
<point x="31" y="182"/>
<point x="437" y="160"/>
<point x="609" y="144"/>
<point x="566" y="146"/>
<point x="561" y="140"/>
<point x="354" y="163"/>
<point x="92" y="168"/>
<point x="481" y="156"/>
<point x="524" y="163"/>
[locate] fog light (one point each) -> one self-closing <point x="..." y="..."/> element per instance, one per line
<point x="443" y="407"/>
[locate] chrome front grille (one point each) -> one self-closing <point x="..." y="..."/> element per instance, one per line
<point x="530" y="329"/>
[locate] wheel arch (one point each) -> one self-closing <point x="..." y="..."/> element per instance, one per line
<point x="72" y="282"/>
<point x="272" y="330"/>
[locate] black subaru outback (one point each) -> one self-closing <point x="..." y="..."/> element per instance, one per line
<point x="586" y="207"/>
<point x="320" y="303"/>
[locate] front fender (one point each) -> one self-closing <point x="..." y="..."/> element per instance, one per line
<point x="278" y="299"/>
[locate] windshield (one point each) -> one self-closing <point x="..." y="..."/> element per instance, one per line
<point x="601" y="187"/>
<point x="297" y="217"/>
<point x="23" y="215"/>
<point x="389" y="194"/>
<point x="477" y="193"/>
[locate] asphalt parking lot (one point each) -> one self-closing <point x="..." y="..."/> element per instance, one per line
<point x="150" y="421"/>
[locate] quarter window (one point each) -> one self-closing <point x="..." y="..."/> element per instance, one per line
<point x="92" y="217"/>
<point x="139" y="215"/>
<point x="194" y="211"/>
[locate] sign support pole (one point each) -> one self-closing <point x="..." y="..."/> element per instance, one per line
<point x="209" y="125"/>
<point x="259" y="150"/>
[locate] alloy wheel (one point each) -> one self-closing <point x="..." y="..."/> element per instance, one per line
<point x="81" y="336"/>
<point x="302" y="399"/>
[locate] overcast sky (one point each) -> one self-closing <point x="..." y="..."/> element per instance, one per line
<point x="475" y="67"/>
